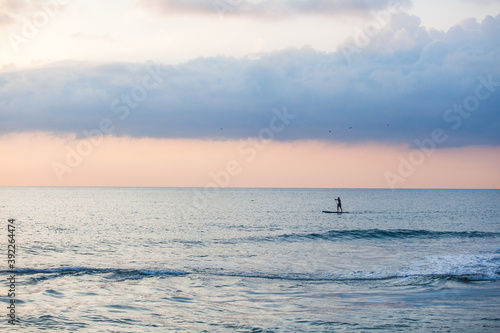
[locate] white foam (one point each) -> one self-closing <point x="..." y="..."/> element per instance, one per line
<point x="471" y="266"/>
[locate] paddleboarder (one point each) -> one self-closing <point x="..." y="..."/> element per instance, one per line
<point x="339" y="204"/>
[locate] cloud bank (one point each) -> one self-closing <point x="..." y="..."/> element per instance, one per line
<point x="401" y="86"/>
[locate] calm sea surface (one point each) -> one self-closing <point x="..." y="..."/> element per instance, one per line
<point x="252" y="260"/>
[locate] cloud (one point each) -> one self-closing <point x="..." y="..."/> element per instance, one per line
<point x="13" y="10"/>
<point x="14" y="15"/>
<point x="9" y="9"/>
<point x="5" y="20"/>
<point x="104" y="38"/>
<point x="398" y="88"/>
<point x="265" y="8"/>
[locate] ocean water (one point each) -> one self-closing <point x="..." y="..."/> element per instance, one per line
<point x="252" y="260"/>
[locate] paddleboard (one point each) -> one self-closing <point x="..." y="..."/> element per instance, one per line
<point x="333" y="211"/>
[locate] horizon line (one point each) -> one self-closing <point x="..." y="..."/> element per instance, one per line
<point x="246" y="187"/>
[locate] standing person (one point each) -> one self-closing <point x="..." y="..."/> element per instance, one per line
<point x="339" y="204"/>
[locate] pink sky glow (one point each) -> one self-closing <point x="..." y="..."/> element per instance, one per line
<point x="39" y="159"/>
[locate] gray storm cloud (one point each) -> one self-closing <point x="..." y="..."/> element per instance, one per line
<point x="405" y="83"/>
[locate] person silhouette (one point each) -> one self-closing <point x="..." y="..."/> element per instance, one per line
<point x="339" y="204"/>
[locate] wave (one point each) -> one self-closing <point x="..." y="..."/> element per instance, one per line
<point x="459" y="267"/>
<point x="92" y="271"/>
<point x="418" y="274"/>
<point x="383" y="234"/>
<point x="364" y="276"/>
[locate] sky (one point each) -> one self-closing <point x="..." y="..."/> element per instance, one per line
<point x="241" y="93"/>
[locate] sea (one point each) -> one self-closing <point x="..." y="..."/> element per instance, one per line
<point x="249" y="260"/>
